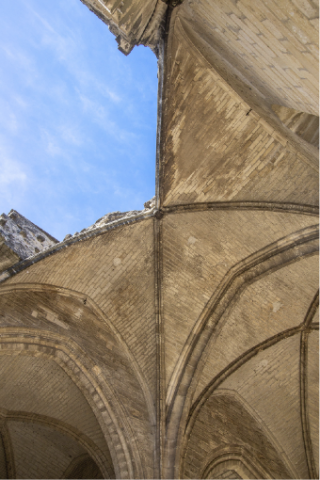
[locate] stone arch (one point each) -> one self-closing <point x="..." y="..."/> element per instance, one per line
<point x="305" y="328"/>
<point x="257" y="455"/>
<point x="4" y="467"/>
<point x="304" y="400"/>
<point x="82" y="467"/>
<point x="93" y="450"/>
<point x="105" y="407"/>
<point x="305" y="125"/>
<point x="217" y="382"/>
<point x="235" y="459"/>
<point x="7" y="451"/>
<point x="87" y="300"/>
<point x="271" y="258"/>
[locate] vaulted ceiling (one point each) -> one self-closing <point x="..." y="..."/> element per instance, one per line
<point x="183" y="342"/>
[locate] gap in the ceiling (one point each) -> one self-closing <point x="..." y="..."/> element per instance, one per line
<point x="78" y="118"/>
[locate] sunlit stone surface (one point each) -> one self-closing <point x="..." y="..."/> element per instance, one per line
<point x="181" y="341"/>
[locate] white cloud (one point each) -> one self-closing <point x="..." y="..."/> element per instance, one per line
<point x="53" y="149"/>
<point x="52" y="145"/>
<point x="21" y="102"/>
<point x="99" y="115"/>
<point x="68" y="48"/>
<point x="8" y="119"/>
<point x="86" y="79"/>
<point x="13" y="180"/>
<point x="23" y="62"/>
<point x="71" y="135"/>
<point x="11" y="173"/>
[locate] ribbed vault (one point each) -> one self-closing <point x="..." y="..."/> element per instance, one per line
<point x="183" y="342"/>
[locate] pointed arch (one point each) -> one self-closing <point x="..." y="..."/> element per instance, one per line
<point x="82" y="371"/>
<point x="271" y="258"/>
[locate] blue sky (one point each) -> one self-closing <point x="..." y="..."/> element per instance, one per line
<point x="77" y="117"/>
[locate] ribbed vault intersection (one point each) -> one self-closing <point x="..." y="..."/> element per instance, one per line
<point x="182" y="342"/>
